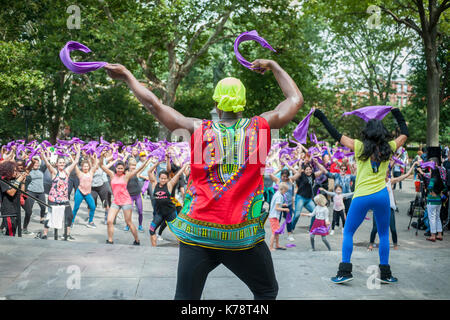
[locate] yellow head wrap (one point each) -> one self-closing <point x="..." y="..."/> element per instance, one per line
<point x="230" y="95"/>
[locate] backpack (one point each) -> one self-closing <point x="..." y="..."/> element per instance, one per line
<point x="443" y="172"/>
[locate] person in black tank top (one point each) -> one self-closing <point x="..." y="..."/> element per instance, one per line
<point x="163" y="204"/>
<point x="164" y="207"/>
<point x="178" y="205"/>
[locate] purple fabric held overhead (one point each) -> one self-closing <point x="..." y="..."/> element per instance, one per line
<point x="300" y="133"/>
<point x="372" y="112"/>
<point x="247" y="36"/>
<point x="429" y="164"/>
<point x="78" y="67"/>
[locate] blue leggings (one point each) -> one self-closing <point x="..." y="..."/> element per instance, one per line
<point x="79" y="197"/>
<point x="379" y="203"/>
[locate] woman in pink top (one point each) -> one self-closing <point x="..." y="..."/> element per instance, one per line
<point x="83" y="192"/>
<point x="122" y="199"/>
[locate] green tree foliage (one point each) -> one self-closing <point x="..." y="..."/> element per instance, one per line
<point x="416" y="110"/>
<point x="90" y="104"/>
<point x="297" y="45"/>
<point x="164" y="43"/>
<point x="18" y="86"/>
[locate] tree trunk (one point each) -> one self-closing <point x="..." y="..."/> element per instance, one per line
<point x="433" y="91"/>
<point x="54" y="131"/>
<point x="428" y="33"/>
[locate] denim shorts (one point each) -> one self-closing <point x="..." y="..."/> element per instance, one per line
<point x="123" y="207"/>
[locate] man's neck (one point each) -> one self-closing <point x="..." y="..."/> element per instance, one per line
<point x="230" y="116"/>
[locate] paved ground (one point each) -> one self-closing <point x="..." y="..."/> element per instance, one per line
<point x="89" y="269"/>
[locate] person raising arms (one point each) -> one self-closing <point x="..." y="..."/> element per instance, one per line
<point x="122" y="198"/>
<point x="222" y="221"/>
<point x="83" y="192"/>
<point x="372" y="155"/>
<point x="59" y="191"/>
<point x="165" y="209"/>
<point x="134" y="189"/>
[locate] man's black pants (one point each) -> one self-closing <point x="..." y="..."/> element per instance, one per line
<point x="253" y="266"/>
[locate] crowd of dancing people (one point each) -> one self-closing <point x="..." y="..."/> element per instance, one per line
<point x="45" y="174"/>
<point x="303" y="178"/>
<point x="296" y="178"/>
<point x="226" y="204"/>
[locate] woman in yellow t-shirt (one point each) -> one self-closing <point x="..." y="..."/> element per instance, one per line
<point x="372" y="154"/>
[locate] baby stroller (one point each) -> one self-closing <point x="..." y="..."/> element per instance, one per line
<point x="417" y="208"/>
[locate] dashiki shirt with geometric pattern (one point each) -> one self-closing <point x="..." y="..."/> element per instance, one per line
<point x="224" y="196"/>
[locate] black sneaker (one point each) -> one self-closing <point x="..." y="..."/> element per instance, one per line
<point x="389" y="280"/>
<point x="44" y="237"/>
<point x="386" y="275"/>
<point x="136" y="243"/>
<point x="427" y="234"/>
<point x="109" y="242"/>
<point x="344" y="273"/>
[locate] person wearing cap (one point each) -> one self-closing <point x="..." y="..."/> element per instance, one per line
<point x="222" y="221"/>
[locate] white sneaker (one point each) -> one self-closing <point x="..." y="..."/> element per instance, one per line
<point x="331" y="232"/>
<point x="160" y="238"/>
<point x="290" y="238"/>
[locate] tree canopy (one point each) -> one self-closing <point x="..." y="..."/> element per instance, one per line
<point x="181" y="49"/>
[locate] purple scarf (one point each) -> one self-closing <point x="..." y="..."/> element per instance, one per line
<point x="78" y="67"/>
<point x="246" y="36"/>
<point x="372" y="112"/>
<point x="300" y="133"/>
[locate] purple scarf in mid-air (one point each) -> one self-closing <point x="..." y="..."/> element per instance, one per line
<point x="247" y="36"/>
<point x="371" y="112"/>
<point x="78" y="67"/>
<point x="300" y="133"/>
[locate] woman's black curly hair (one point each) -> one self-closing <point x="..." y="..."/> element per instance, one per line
<point x="375" y="138"/>
<point x="7" y="169"/>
